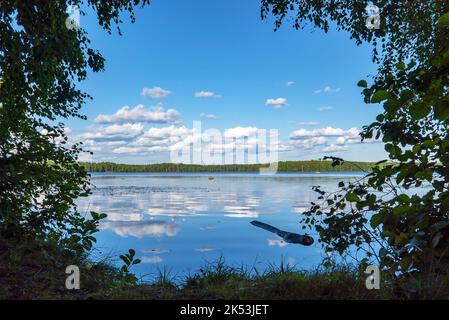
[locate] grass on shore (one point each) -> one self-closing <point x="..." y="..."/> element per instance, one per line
<point x="37" y="271"/>
<point x="220" y="281"/>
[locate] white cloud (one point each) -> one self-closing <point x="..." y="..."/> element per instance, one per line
<point x="335" y="148"/>
<point x="155" y="250"/>
<point x="300" y="209"/>
<point x="160" y="140"/>
<point x="155" y="114"/>
<point x="311" y="139"/>
<point x="206" y="94"/>
<point x="141" y="150"/>
<point x="355" y="140"/>
<point x="372" y="140"/>
<point x="115" y="131"/>
<point x="289" y="83"/>
<point x="121" y="216"/>
<point x="326" y="108"/>
<point x="276" y="242"/>
<point x="85" y="157"/>
<point x="139" y="229"/>
<point x="105" y="158"/>
<point x="340" y="141"/>
<point x="329" y="131"/>
<point x="240" y="132"/>
<point x="116" y="143"/>
<point x="277" y="103"/>
<point x="163" y="136"/>
<point x="155" y="93"/>
<point x="330" y="139"/>
<point x="166" y="132"/>
<point x="309" y="143"/>
<point x="204" y="250"/>
<point x="208" y="116"/>
<point x="317" y="140"/>
<point x="175" y="138"/>
<point x="91" y="145"/>
<point x="131" y="139"/>
<point x="155" y="259"/>
<point x="305" y="123"/>
<point x="327" y="89"/>
<point x="241" y="214"/>
<point x="173" y="212"/>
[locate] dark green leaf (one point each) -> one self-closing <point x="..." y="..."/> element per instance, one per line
<point x="380" y="96"/>
<point x="362" y="84"/>
<point x="443" y="21"/>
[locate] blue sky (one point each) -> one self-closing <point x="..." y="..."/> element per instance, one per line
<point x="244" y="75"/>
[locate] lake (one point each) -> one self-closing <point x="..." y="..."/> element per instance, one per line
<point x="180" y="221"/>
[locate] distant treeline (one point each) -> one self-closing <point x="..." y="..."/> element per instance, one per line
<point x="284" y="166"/>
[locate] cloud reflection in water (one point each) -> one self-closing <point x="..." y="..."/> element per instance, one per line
<point x="141" y="229"/>
<point x="178" y="220"/>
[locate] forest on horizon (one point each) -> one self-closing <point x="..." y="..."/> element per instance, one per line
<point x="283" y="166"/>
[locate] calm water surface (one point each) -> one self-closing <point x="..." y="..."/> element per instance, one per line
<point x="180" y="221"/>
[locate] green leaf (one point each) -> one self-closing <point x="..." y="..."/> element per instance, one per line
<point x="376" y="220"/>
<point x="445" y="144"/>
<point x="380" y="96"/>
<point x="446" y="57"/>
<point x="442" y="112"/>
<point x="94" y="215"/>
<point x="137" y="261"/>
<point x="383" y="252"/>
<point x="416" y="149"/>
<point x="352" y="197"/>
<point x="411" y="64"/>
<point x="402" y="239"/>
<point x="407" y="95"/>
<point x="125" y="259"/>
<point x="438" y="185"/>
<point x="362" y="84"/>
<point x="443" y="21"/>
<point x="402" y="174"/>
<point x="400" y="65"/>
<point x="400" y="210"/>
<point x="424" y="175"/>
<point x="403" y="198"/>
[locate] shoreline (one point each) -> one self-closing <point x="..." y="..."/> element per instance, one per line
<point x="225" y="173"/>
